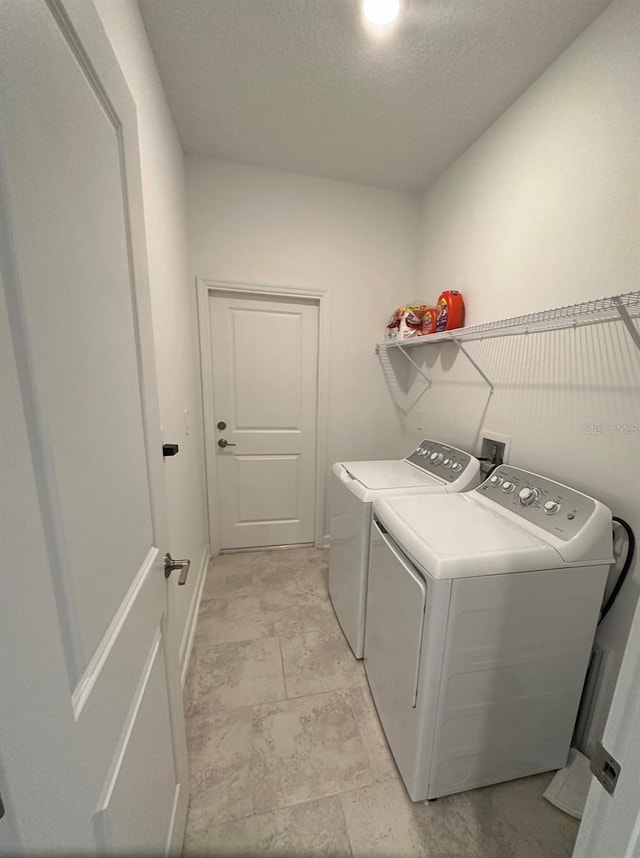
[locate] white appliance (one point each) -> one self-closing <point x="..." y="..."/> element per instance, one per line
<point x="481" y="612"/>
<point x="432" y="467"/>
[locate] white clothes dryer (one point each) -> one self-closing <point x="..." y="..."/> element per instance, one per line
<point x="481" y="613"/>
<point x="431" y="467"/>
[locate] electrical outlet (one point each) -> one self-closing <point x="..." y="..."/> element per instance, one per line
<point x="494" y="450"/>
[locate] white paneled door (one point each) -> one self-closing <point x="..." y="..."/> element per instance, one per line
<point x="264" y="362"/>
<point x="92" y="738"/>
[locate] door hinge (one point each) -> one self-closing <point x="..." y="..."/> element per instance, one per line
<point x="1" y="807"/>
<point x="605" y="768"/>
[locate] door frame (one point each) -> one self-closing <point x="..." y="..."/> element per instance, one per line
<point x="205" y="287"/>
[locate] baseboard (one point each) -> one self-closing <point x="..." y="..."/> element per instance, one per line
<point x="186" y="645"/>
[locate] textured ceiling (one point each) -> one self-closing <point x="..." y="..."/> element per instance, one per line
<point x="301" y="85"/>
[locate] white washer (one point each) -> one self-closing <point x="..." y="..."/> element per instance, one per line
<point x="481" y="613"/>
<point x="431" y="467"/>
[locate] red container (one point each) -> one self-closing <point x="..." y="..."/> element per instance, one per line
<point x="450" y="309"/>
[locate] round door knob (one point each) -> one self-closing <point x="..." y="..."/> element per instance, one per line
<point x="528" y="495"/>
<point x="222" y="425"/>
<point x="224" y="443"/>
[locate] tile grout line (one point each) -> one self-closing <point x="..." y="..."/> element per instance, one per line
<point x="359" y="729"/>
<point x="284" y="675"/>
<point x="341" y="691"/>
<point x="258" y="594"/>
<point x="335" y="795"/>
<point x="319" y="630"/>
<point x="346" y="824"/>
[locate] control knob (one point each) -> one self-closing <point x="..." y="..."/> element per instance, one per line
<point x="457" y="466"/>
<point x="436" y="458"/>
<point x="447" y="463"/>
<point x="551" y="507"/>
<point x="508" y="486"/>
<point x="528" y="495"/>
<point x="495" y="480"/>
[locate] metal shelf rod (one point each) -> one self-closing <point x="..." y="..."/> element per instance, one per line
<point x="473" y="363"/>
<point x="415" y="365"/>
<point x="628" y="322"/>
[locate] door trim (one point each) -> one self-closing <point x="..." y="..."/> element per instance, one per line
<point x="204" y="289"/>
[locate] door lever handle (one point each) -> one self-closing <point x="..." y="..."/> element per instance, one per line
<point x="224" y="443"/>
<point x="171" y="565"/>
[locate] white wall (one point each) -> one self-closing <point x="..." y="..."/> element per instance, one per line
<point x="544" y="210"/>
<point x="173" y="300"/>
<point x="253" y="225"/>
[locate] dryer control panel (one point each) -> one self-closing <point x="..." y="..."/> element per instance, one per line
<point x="445" y="462"/>
<point x="552" y="506"/>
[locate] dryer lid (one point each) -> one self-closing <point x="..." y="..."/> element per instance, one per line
<point x="392" y="474"/>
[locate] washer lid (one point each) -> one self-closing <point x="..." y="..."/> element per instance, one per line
<point x="454" y="536"/>
<point x="393" y="474"/>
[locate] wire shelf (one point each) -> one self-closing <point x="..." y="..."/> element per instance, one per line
<point x="623" y="308"/>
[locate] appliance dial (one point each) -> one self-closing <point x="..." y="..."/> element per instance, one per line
<point x="495" y="480"/>
<point x="551" y="507"/>
<point x="447" y="463"/>
<point x="528" y="495"/>
<point x="457" y="466"/>
<point x="436" y="458"/>
<point x="508" y="486"/>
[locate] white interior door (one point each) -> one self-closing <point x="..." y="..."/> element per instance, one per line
<point x="92" y="739"/>
<point x="611" y="823"/>
<point x="264" y="361"/>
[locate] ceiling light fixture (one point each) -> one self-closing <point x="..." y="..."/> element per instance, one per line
<point x="380" y="12"/>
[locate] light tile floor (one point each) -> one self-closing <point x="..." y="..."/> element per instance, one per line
<point x="287" y="756"/>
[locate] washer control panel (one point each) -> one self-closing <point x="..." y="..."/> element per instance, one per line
<point x="445" y="462"/>
<point x="550" y="505"/>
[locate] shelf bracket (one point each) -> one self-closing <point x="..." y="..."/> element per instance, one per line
<point x="474" y="364"/>
<point x="628" y="321"/>
<point x="414" y="365"/>
<point x="400" y="397"/>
